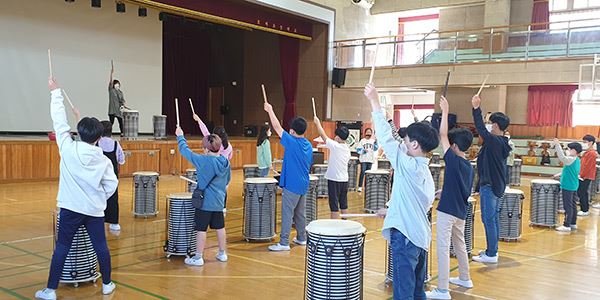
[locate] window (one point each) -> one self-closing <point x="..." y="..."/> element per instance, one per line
<point x="574" y="10"/>
<point x="585" y="113"/>
<point x="406" y="118"/>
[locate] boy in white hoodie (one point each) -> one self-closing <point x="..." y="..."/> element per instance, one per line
<point x="86" y="181"/>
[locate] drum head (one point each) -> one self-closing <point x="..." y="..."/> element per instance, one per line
<point x="435" y="165"/>
<point x="191" y="170"/>
<point x="471" y="200"/>
<point x="250" y="166"/>
<point x="145" y="173"/>
<point x="353" y="158"/>
<point x="513" y="191"/>
<point x="180" y="196"/>
<point x="313" y="177"/>
<point x="378" y="171"/>
<point x="545" y="181"/>
<point x="333" y="227"/>
<point x="259" y="180"/>
<point x="320" y="166"/>
<point x="131" y="111"/>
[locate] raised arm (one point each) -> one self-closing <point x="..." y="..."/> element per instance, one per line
<point x="274" y="121"/>
<point x="112" y="72"/>
<point x="59" y="116"/>
<point x="184" y="150"/>
<point x="444" y="124"/>
<point x="202" y="126"/>
<point x="567" y="160"/>
<point x="320" y="129"/>
<point x="478" y="118"/>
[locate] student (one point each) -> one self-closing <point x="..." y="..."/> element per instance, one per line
<point x="510" y="160"/>
<point x="112" y="149"/>
<point x="587" y="174"/>
<point x="213" y="180"/>
<point x="86" y="180"/>
<point x="452" y="208"/>
<point x="569" y="182"/>
<point x="116" y="101"/>
<point x="263" y="151"/>
<point x="406" y="226"/>
<point x="294" y="180"/>
<point x="337" y="168"/>
<point x="491" y="168"/>
<point x="366" y="149"/>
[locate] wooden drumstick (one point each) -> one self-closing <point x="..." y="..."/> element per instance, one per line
<point x="445" y="91"/>
<point x="374" y="61"/>
<point x="68" y="100"/>
<point x="192" y="105"/>
<point x="187" y="179"/>
<point x="177" y="110"/>
<point x="314" y="109"/>
<point x="483" y="84"/>
<point x="358" y="215"/>
<point x="50" y="64"/>
<point x="264" y="92"/>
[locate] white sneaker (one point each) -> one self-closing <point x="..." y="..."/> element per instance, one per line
<point x="438" y="294"/>
<point x="563" y="228"/>
<point x="573" y="227"/>
<point x="359" y="189"/>
<point x="596" y="205"/>
<point x="194" y="261"/>
<point x="224" y="211"/>
<point x="107" y="289"/>
<point x="114" y="227"/>
<point x="222" y="256"/>
<point x="464" y="283"/>
<point x="299" y="242"/>
<point x="583" y="213"/>
<point x="46" y="294"/>
<point x="483" y="258"/>
<point x="279" y="247"/>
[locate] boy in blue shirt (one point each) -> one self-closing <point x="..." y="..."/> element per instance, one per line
<point x="294" y="180"/>
<point x="406" y="226"/>
<point x="452" y="208"/>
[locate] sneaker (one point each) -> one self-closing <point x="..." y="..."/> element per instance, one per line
<point x="438" y="294"/>
<point x="222" y="256"/>
<point x="359" y="189"/>
<point x="563" y="229"/>
<point x="299" y="242"/>
<point x="114" y="227"/>
<point x="464" y="283"/>
<point x="279" y="247"/>
<point x="107" y="289"/>
<point x="483" y="258"/>
<point x="194" y="261"/>
<point x="46" y="294"/>
<point x="573" y="227"/>
<point x="596" y="205"/>
<point x="583" y="213"/>
<point x="224" y="211"/>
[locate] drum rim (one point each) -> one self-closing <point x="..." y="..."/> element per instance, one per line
<point x="190" y="170"/>
<point x="250" y="166"/>
<point x="146" y="173"/>
<point x="514" y="191"/>
<point x="313" y="177"/>
<point x="378" y="171"/>
<point x="258" y="180"/>
<point x="435" y="165"/>
<point x="545" y="181"/>
<point x="180" y="196"/>
<point x="335" y="228"/>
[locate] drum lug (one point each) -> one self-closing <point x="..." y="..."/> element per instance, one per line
<point x="76" y="284"/>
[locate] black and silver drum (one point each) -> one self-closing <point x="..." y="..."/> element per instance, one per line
<point x="515" y="172"/>
<point x="334" y="260"/>
<point x="510" y="215"/>
<point x="130" y="124"/>
<point x="383" y="164"/>
<point x="436" y="171"/>
<point x="377" y="189"/>
<point x="260" y="208"/>
<point x="192" y="175"/>
<point x="250" y="171"/>
<point x="181" y="235"/>
<point x="353" y="173"/>
<point x="312" y="204"/>
<point x="159" y="123"/>
<point x="319" y="171"/>
<point x="435" y="158"/>
<point x="469" y="228"/>
<point x="545" y="195"/>
<point x="145" y="195"/>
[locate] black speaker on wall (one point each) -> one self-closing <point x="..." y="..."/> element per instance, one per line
<point x="436" y="120"/>
<point x="339" y="77"/>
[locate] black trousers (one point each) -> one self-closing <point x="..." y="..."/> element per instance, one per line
<point x="111" y="213"/>
<point x="112" y="121"/>
<point x="584" y="196"/>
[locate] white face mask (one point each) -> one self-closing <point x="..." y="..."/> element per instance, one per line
<point x="488" y="127"/>
<point x="269" y="133"/>
<point x="117" y="86"/>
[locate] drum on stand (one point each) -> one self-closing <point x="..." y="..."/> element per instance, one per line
<point x="384" y="164"/>
<point x="475" y="177"/>
<point x="193" y="175"/>
<point x="319" y="171"/>
<point x="130" y="124"/>
<point x="377" y="189"/>
<point x="145" y="194"/>
<point x="353" y="173"/>
<point x="260" y="208"/>
<point x="334" y="260"/>
<point x="312" y="205"/>
<point x="81" y="262"/>
<point x="545" y="195"/>
<point x="510" y="215"/>
<point x="181" y="235"/>
<point x="159" y="123"/>
<point x="597" y="181"/>
<point x="436" y="171"/>
<point x="435" y="158"/>
<point x="515" y="172"/>
<point x="250" y="171"/>
<point x="469" y="228"/>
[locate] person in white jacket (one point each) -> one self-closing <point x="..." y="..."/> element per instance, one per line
<point x="86" y="181"/>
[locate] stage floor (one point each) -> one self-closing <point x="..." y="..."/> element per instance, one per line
<point x="543" y="265"/>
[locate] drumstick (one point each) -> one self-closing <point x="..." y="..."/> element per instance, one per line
<point x="192" y="105"/>
<point x="50" y="63"/>
<point x="446" y="85"/>
<point x="264" y="92"/>
<point x="358" y="215"/>
<point x="374" y="61"/>
<point x="177" y="110"/>
<point x="69" y="100"/>
<point x="314" y="109"/>
<point x="187" y="179"/>
<point x="483" y="84"/>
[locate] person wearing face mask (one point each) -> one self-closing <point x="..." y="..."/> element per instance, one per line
<point x="366" y="150"/>
<point x="263" y="151"/>
<point x="116" y="100"/>
<point x="587" y="174"/>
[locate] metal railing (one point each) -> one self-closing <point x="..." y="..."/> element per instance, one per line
<point x="505" y="43"/>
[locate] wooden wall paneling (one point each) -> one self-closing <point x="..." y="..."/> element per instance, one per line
<point x="54" y="161"/>
<point x="3" y="162"/>
<point x="140" y="160"/>
<point x="40" y="167"/>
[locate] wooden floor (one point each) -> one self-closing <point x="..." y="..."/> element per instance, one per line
<point x="543" y="265"/>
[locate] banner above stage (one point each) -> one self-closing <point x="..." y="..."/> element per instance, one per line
<point x="237" y="14"/>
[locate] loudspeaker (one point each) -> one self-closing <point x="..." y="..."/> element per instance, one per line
<point x="251" y="131"/>
<point x="142" y="12"/>
<point x="96" y="3"/>
<point x="120" y="7"/>
<point x="436" y="120"/>
<point x="339" y="77"/>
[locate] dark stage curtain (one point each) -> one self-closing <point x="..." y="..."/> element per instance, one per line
<point x="186" y="71"/>
<point x="541" y="14"/>
<point x="289" y="57"/>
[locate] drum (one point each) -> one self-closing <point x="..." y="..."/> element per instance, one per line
<point x="597" y="181"/>
<point x="510" y="215"/>
<point x="436" y="171"/>
<point x="353" y="173"/>
<point x="130" y="124"/>
<point x="319" y="171"/>
<point x="383" y="164"/>
<point x="145" y="194"/>
<point x="514" y="172"/>
<point x="181" y="235"/>
<point x="160" y="127"/>
<point x="545" y="195"/>
<point x="312" y="205"/>
<point x="193" y="175"/>
<point x="377" y="189"/>
<point x="475" y="177"/>
<point x="81" y="262"/>
<point x="250" y="171"/>
<point x="334" y="260"/>
<point x="260" y="208"/>
<point x="435" y="158"/>
<point x="469" y="228"/>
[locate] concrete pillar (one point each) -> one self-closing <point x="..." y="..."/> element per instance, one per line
<point x="497" y="13"/>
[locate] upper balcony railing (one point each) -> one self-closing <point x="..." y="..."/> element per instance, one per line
<point x="506" y="43"/>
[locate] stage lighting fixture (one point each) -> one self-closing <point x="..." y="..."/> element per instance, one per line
<point x="120" y="7"/>
<point x="142" y="11"/>
<point x="97" y="3"/>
